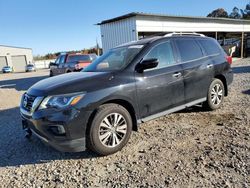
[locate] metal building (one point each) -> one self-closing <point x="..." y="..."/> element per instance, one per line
<point x="15" y="57"/>
<point x="135" y="26"/>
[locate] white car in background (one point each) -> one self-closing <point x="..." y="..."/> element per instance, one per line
<point x="7" y="69"/>
<point x="30" y="68"/>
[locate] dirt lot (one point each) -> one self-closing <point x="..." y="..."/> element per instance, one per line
<point x="191" y="148"/>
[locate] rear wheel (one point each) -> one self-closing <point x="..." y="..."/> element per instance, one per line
<point x="110" y="129"/>
<point x="215" y="95"/>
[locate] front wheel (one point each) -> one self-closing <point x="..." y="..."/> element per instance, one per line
<point x="215" y="95"/>
<point x="110" y="129"/>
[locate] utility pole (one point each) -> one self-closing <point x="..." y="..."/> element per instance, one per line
<point x="242" y="45"/>
<point x="97" y="47"/>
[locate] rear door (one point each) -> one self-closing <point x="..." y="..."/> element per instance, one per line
<point x="160" y="88"/>
<point x="198" y="68"/>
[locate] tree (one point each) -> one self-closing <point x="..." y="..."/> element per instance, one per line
<point x="246" y="13"/>
<point x="220" y="12"/>
<point x="235" y="14"/>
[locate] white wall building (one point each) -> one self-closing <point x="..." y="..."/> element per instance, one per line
<point x="134" y="26"/>
<point x="16" y="57"/>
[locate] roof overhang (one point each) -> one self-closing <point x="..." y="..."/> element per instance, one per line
<point x="133" y="14"/>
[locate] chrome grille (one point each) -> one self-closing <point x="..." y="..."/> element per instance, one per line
<point x="28" y="101"/>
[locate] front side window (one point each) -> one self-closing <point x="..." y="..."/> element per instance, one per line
<point x="189" y="49"/>
<point x="114" y="59"/>
<point x="57" y="60"/>
<point x="163" y="53"/>
<point x="60" y="59"/>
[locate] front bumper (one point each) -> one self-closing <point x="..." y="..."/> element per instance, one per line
<point x="30" y="70"/>
<point x="63" y="130"/>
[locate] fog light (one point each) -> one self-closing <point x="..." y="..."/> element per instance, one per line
<point x="61" y="129"/>
<point x="57" y="130"/>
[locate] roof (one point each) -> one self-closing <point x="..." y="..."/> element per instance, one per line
<point x="141" y="42"/>
<point x="15" y="47"/>
<point x="133" y="14"/>
<point x="163" y="36"/>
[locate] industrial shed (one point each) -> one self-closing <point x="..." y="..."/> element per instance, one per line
<point x="135" y="26"/>
<point x="15" y="57"/>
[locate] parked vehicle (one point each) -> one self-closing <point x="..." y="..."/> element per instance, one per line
<point x="7" y="69"/>
<point x="30" y="68"/>
<point x="66" y="63"/>
<point x="131" y="84"/>
<point x="233" y="46"/>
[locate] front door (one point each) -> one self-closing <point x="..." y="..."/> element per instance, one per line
<point x="160" y="88"/>
<point x="61" y="66"/>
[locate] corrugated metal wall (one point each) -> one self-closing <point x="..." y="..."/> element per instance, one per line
<point x="117" y="33"/>
<point x="167" y="24"/>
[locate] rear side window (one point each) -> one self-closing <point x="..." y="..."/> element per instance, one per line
<point x="210" y="46"/>
<point x="189" y="49"/>
<point x="164" y="53"/>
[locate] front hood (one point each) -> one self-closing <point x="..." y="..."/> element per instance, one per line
<point x="69" y="83"/>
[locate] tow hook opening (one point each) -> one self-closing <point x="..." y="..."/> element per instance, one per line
<point x="28" y="133"/>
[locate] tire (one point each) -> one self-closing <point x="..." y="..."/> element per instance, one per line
<point x="51" y="74"/>
<point x="100" y="135"/>
<point x="215" y="95"/>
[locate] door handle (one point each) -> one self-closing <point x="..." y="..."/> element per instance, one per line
<point x="177" y="74"/>
<point x="209" y="66"/>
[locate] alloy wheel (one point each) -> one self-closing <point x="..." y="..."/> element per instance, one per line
<point x="216" y="94"/>
<point x="113" y="129"/>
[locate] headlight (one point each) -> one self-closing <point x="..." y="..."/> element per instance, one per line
<point x="61" y="101"/>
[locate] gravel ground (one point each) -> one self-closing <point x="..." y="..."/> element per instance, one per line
<point x="191" y="148"/>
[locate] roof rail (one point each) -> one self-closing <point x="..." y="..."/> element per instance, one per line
<point x="182" y="33"/>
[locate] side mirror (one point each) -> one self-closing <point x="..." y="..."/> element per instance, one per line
<point x="147" y="64"/>
<point x="52" y="64"/>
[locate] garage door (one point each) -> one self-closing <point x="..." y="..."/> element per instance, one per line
<point x="19" y="63"/>
<point x="3" y="62"/>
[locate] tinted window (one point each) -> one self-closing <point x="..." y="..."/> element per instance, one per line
<point x="188" y="49"/>
<point x="114" y="59"/>
<point x="164" y="53"/>
<point x="60" y="59"/>
<point x="210" y="46"/>
<point x="72" y="58"/>
<point x="57" y="60"/>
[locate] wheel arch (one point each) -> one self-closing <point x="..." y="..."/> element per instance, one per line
<point x="224" y="81"/>
<point x="127" y="105"/>
<point x="68" y="71"/>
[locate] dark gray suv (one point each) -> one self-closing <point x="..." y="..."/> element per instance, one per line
<point x="130" y="84"/>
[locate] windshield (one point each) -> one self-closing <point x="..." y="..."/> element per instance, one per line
<point x="114" y="59"/>
<point x="72" y="58"/>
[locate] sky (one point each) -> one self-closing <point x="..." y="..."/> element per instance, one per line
<point x="49" y="26"/>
